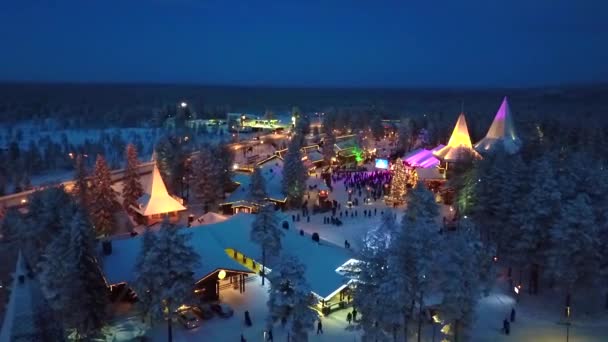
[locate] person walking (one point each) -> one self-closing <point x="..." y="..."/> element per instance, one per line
<point x="247" y="319"/>
<point x="349" y="318"/>
<point x="319" y="327"/>
<point x="270" y="338"/>
<point x="354" y="315"/>
<point x="512" y="314"/>
<point x="243" y="338"/>
<point x="506" y="326"/>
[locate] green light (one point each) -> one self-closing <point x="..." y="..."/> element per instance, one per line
<point x="358" y="154"/>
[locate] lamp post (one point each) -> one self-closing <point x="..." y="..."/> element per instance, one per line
<point x="568" y="312"/>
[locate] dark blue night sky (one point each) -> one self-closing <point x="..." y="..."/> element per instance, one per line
<point x="306" y="42"/>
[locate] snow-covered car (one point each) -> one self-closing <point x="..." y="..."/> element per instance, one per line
<point x="222" y="310"/>
<point x="203" y="311"/>
<point x="187" y="317"/>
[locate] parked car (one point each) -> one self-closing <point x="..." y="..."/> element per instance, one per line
<point x="203" y="311"/>
<point x="222" y="310"/>
<point x="187" y="317"/>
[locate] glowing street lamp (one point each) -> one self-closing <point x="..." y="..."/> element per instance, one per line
<point x="183" y="105"/>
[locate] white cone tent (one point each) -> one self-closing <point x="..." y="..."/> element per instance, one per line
<point x="156" y="200"/>
<point x="25" y="307"/>
<point x="459" y="146"/>
<point x="502" y="131"/>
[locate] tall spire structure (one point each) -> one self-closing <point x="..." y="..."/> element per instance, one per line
<point x="501" y="132"/>
<point x="459" y="147"/>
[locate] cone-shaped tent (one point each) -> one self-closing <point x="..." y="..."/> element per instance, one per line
<point x="28" y="316"/>
<point x="502" y="131"/>
<point x="459" y="147"/>
<point x="156" y="200"/>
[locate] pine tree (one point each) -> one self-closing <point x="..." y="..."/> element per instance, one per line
<point x="328" y="146"/>
<point x="166" y="272"/>
<point x="294" y="174"/>
<point x="224" y="165"/>
<point x="171" y="156"/>
<point x="145" y="298"/>
<point x="290" y="298"/>
<point x="206" y="178"/>
<point x="539" y="209"/>
<point x="105" y="202"/>
<point x="459" y="281"/>
<point x="72" y="280"/>
<point x="370" y="272"/>
<point x="131" y="189"/>
<point x="398" y="182"/>
<point x="266" y="233"/>
<point x="85" y="286"/>
<point x="257" y="191"/>
<point x="10" y="225"/>
<point x="81" y="185"/>
<point x="405" y="133"/>
<point x="421" y="204"/>
<point x="574" y="253"/>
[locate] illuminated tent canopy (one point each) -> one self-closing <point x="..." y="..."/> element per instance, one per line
<point x="423" y="158"/>
<point x="156" y="200"/>
<point x="459" y="147"/>
<point x="502" y="131"/>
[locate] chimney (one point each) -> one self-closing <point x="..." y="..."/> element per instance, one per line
<point x="106" y="247"/>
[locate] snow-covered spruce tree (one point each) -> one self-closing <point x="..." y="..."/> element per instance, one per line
<point x="294" y="173"/>
<point x="170" y="156"/>
<point x="371" y="272"/>
<point x="72" y="281"/>
<point x="302" y="121"/>
<point x="167" y="272"/>
<point x="290" y="299"/>
<point x="206" y="178"/>
<point x="257" y="192"/>
<point x="225" y="158"/>
<point x="81" y="185"/>
<point x="131" y="188"/>
<point x="10" y="225"/>
<point x="573" y="256"/>
<point x="405" y="133"/>
<point x="104" y="201"/>
<point x="50" y="212"/>
<point x="412" y="255"/>
<point x="539" y="210"/>
<point x="266" y="233"/>
<point x="398" y="182"/>
<point x="85" y="288"/>
<point x="328" y="148"/>
<point x="421" y="204"/>
<point x="459" y="281"/>
<point x="145" y="297"/>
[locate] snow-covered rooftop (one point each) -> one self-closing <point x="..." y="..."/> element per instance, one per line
<point x="210" y="242"/>
<point x="423" y="158"/>
<point x="272" y="171"/>
<point x="321" y="260"/>
<point x="119" y="266"/>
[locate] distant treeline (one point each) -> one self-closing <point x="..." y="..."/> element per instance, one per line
<point x="129" y="105"/>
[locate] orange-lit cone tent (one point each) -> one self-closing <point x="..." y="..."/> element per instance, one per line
<point x="501" y="132"/>
<point x="459" y="147"/>
<point x="156" y="201"/>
